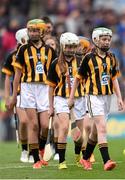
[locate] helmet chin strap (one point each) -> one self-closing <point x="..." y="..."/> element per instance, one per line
<point x="68" y="54"/>
<point x="35" y="40"/>
<point x="104" y="49"/>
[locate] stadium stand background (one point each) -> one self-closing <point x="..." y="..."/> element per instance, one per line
<point x="77" y="16"/>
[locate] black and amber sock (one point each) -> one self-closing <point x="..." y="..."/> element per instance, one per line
<point x="42" y="142"/>
<point x="104" y="152"/>
<point x="34" y="148"/>
<point x="61" y="148"/>
<point x="89" y="149"/>
<point x="30" y="151"/>
<point x="77" y="147"/>
<point x="83" y="151"/>
<point x="24" y="145"/>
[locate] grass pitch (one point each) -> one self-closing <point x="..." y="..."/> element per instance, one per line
<point x="12" y="168"/>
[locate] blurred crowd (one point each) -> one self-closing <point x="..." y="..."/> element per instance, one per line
<point x="77" y="16"/>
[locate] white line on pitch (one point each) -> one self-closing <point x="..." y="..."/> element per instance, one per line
<point x="50" y="165"/>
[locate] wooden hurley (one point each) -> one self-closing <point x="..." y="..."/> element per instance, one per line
<point x="48" y="153"/>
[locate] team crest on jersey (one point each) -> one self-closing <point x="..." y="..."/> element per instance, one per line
<point x="39" y="68"/>
<point x="105" y="79"/>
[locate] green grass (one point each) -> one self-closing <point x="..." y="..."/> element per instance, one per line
<point x="12" y="168"/>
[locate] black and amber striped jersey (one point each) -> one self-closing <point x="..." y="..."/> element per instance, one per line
<point x="7" y="66"/>
<point x="79" y="61"/>
<point x="60" y="82"/>
<point x="99" y="73"/>
<point x="34" y="62"/>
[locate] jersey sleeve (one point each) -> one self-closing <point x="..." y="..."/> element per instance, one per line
<point x="115" y="69"/>
<point x="7" y="67"/>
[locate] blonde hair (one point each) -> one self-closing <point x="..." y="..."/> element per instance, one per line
<point x="62" y="63"/>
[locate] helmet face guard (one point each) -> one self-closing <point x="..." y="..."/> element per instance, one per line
<point x="69" y="42"/>
<point x="100" y="32"/>
<point x="37" y="24"/>
<point x="70" y="50"/>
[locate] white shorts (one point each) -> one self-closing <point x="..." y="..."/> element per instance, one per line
<point x="35" y="96"/>
<point x="18" y="101"/>
<point x="79" y="107"/>
<point x="86" y="104"/>
<point x="99" y="105"/>
<point x="61" y="105"/>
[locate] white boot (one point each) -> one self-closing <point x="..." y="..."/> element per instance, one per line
<point x="31" y="159"/>
<point x="24" y="156"/>
<point x="56" y="157"/>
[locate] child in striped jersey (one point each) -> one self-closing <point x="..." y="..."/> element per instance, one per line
<point x="100" y="70"/>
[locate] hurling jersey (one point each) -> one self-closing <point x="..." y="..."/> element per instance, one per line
<point x="34" y="62"/>
<point x="60" y="81"/>
<point x="99" y="73"/>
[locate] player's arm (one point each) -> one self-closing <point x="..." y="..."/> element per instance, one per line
<point x="15" y="88"/>
<point x="18" y="64"/>
<point x="16" y="82"/>
<point x="7" y="86"/>
<point x="52" y="82"/>
<point x="118" y="94"/>
<point x="73" y="90"/>
<point x="7" y="90"/>
<point x="51" y="100"/>
<point x="115" y="75"/>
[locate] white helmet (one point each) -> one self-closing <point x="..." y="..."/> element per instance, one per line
<point x="69" y="38"/>
<point x="101" y="31"/>
<point x="20" y="35"/>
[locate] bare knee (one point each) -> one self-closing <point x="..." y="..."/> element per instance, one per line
<point x="23" y="124"/>
<point x="33" y="127"/>
<point x="63" y="129"/>
<point x="44" y="126"/>
<point x="102" y="135"/>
